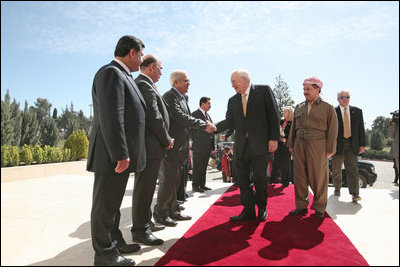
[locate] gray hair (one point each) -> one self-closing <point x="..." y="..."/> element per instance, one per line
<point x="343" y="92"/>
<point x="243" y="73"/>
<point x="176" y="76"/>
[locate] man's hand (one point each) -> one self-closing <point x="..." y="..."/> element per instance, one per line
<point x="171" y="145"/>
<point x="272" y="145"/>
<point x="361" y="149"/>
<point x="291" y="149"/>
<point x="328" y="155"/>
<point x="122" y="165"/>
<point x="210" y="127"/>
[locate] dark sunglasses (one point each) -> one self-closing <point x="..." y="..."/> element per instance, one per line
<point x="344" y="97"/>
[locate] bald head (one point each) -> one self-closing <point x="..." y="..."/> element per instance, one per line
<point x="152" y="67"/>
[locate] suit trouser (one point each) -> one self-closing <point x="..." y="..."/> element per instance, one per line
<point x="108" y="192"/>
<point x="200" y="162"/>
<point x="311" y="168"/>
<point x="351" y="165"/>
<point x="143" y="191"/>
<point x="258" y="165"/>
<point x="170" y="177"/>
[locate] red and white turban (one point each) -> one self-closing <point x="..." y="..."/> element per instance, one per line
<point x="313" y="80"/>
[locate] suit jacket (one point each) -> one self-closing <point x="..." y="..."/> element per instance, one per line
<point x="203" y="142"/>
<point x="157" y="119"/>
<point x="180" y="121"/>
<point x="119" y="121"/>
<point x="261" y="121"/>
<point x="357" y="129"/>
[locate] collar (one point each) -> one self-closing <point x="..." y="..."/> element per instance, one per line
<point x="342" y="108"/>
<point x="123" y="65"/>
<point x="147" y="77"/>
<point x="203" y="111"/>
<point x="180" y="94"/>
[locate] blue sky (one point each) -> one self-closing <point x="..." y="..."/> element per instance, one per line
<point x="53" y="49"/>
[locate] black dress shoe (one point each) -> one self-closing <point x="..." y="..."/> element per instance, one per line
<point x="205" y="188"/>
<point x="128" y="249"/>
<point x="181" y="217"/>
<point x="156" y="227"/>
<point x="262" y="214"/>
<point x="243" y="217"/>
<point x="147" y="239"/>
<point x="181" y="207"/>
<point x="198" y="189"/>
<point x="319" y="215"/>
<point x="112" y="259"/>
<point x="298" y="212"/>
<point x="166" y="221"/>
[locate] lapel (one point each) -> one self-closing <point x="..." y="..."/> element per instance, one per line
<point x="182" y="101"/>
<point x="250" y="100"/>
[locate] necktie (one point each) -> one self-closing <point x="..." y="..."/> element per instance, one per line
<point x="244" y="104"/>
<point x="346" y="124"/>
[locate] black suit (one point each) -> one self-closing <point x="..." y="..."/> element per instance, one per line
<point x="261" y="125"/>
<point x="203" y="143"/>
<point x="347" y="150"/>
<point x="157" y="139"/>
<point x="172" y="167"/>
<point x="118" y="133"/>
<point x="356" y="128"/>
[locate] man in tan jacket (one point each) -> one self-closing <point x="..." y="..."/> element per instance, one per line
<point x="312" y="141"/>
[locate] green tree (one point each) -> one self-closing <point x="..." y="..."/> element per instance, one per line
<point x="49" y="134"/>
<point x="43" y="107"/>
<point x="377" y="140"/>
<point x="382" y="124"/>
<point x="282" y="93"/>
<point x="30" y="131"/>
<point x="16" y="118"/>
<point x="55" y="113"/>
<point x="7" y="126"/>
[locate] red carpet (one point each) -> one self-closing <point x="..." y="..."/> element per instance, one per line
<point x="280" y="240"/>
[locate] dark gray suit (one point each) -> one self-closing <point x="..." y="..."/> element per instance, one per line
<point x="118" y="133"/>
<point x="171" y="168"/>
<point x="261" y="125"/>
<point x="157" y="138"/>
<point x="202" y="145"/>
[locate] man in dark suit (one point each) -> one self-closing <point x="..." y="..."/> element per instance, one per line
<point x="203" y="144"/>
<point x="167" y="208"/>
<point x="350" y="143"/>
<point x="157" y="142"/>
<point x="116" y="148"/>
<point x="253" y="114"/>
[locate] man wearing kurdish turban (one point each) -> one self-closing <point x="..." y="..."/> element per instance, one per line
<point x="312" y="141"/>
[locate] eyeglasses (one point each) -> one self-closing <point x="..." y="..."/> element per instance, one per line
<point x="344" y="97"/>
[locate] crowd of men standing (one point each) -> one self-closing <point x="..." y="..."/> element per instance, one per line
<point x="138" y="130"/>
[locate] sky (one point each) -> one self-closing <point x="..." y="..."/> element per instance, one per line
<point x="53" y="49"/>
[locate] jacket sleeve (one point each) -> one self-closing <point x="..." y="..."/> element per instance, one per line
<point x="110" y="93"/>
<point x="180" y="117"/>
<point x="154" y="120"/>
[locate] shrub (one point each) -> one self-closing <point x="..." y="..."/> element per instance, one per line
<point x="374" y="154"/>
<point x="38" y="154"/>
<point x="55" y="154"/>
<point x="5" y="156"/>
<point x="79" y="145"/>
<point x="47" y="154"/>
<point x="14" y="156"/>
<point x="66" y="154"/>
<point x="26" y="155"/>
